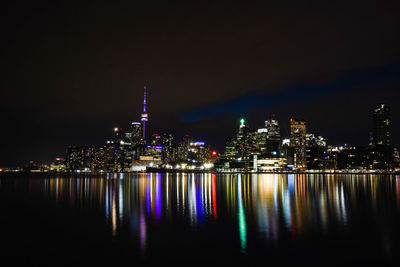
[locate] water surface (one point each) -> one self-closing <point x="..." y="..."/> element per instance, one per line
<point x="200" y="218"/>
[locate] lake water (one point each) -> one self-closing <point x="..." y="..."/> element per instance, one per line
<point x="200" y="219"/>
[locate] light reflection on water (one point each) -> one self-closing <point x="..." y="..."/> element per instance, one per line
<point x="274" y="206"/>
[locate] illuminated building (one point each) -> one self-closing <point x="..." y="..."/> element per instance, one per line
<point x="199" y="152"/>
<point x="240" y="150"/>
<point x="353" y="157"/>
<point x="181" y="152"/>
<point x="244" y="140"/>
<point x="230" y="148"/>
<point x="267" y="140"/>
<point x="136" y="132"/>
<point x="298" y="142"/>
<point x="137" y="143"/>
<point x="154" y="148"/>
<point x="381" y="156"/>
<point x="381" y="131"/>
<point x="312" y="140"/>
<point x="153" y="151"/>
<point x="332" y="157"/>
<point x="58" y="165"/>
<point x="31" y="167"/>
<point x="123" y="148"/>
<point x="75" y="158"/>
<point x="271" y="164"/>
<point x="288" y="152"/>
<point x="317" y="157"/>
<point x="168" y="153"/>
<point x="118" y="135"/>
<point x="111" y="160"/>
<point x="193" y="151"/>
<point x="85" y="158"/>
<point x="155" y="140"/>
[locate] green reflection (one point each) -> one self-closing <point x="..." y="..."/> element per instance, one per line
<point x="242" y="218"/>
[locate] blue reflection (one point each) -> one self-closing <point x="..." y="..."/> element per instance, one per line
<point x="277" y="207"/>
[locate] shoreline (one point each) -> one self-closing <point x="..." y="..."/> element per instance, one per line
<point x="153" y="170"/>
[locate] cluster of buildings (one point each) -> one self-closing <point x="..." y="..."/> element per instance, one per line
<point x="250" y="150"/>
<point x="264" y="150"/>
<point x="133" y="150"/>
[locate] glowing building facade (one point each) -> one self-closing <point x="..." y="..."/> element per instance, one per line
<point x="298" y="142"/>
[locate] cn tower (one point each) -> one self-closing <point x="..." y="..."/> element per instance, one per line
<point x="144" y="114"/>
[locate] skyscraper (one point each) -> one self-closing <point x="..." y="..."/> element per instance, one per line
<point x="381" y="131"/>
<point x="381" y="152"/>
<point x="297" y="141"/>
<point x="136" y="132"/>
<point x="267" y="140"/>
<point x="244" y="140"/>
<point x="274" y="136"/>
<point x="144" y="116"/>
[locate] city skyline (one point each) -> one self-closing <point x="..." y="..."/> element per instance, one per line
<point x="67" y="73"/>
<point x="222" y="133"/>
<point x="250" y="149"/>
<point x="380" y="133"/>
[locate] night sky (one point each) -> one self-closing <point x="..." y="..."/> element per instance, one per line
<point x="72" y="70"/>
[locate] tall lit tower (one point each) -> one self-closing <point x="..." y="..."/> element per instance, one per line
<point x="382" y="126"/>
<point x="144" y="115"/>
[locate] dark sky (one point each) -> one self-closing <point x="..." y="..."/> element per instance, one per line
<point x="72" y="70"/>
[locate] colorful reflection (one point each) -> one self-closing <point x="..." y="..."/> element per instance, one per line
<point x="274" y="206"/>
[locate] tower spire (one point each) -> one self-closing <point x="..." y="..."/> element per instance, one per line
<point x="144" y="100"/>
<point x="144" y="114"/>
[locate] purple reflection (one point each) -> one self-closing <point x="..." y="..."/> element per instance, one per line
<point x="148" y="200"/>
<point x="157" y="201"/>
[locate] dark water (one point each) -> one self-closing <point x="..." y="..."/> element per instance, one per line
<point x="200" y="219"/>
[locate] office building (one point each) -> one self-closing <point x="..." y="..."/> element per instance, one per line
<point x="298" y="142"/>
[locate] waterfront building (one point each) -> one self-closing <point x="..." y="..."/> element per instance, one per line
<point x="267" y="140"/>
<point x="58" y="165"/>
<point x="245" y="141"/>
<point x="297" y="141"/>
<point x="317" y="157"/>
<point x="332" y="157"/>
<point x="271" y="164"/>
<point x="287" y="151"/>
<point x="381" y="151"/>
<point x="193" y="151"/>
<point x="230" y="148"/>
<point x="169" y="151"/>
<point x="381" y="157"/>
<point x="353" y="157"/>
<point x="381" y="130"/>
<point x="85" y="158"/>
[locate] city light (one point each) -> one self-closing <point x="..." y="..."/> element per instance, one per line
<point x="242" y="123"/>
<point x="249" y="150"/>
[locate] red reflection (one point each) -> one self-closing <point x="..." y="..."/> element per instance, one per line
<point x="214" y="195"/>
